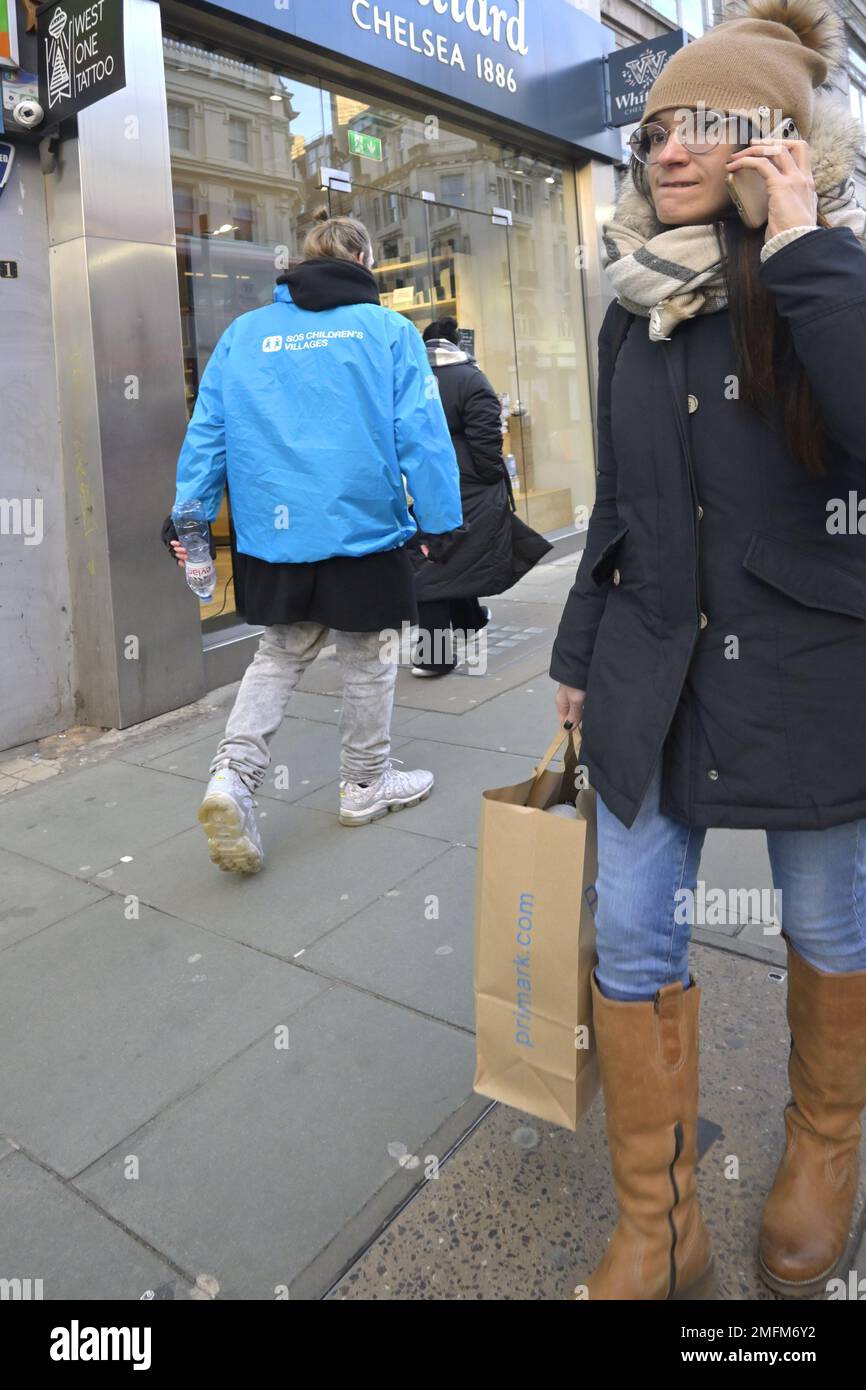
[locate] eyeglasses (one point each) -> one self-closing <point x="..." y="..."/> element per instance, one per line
<point x="699" y="132"/>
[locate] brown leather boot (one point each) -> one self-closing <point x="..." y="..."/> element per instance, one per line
<point x="648" y="1055"/>
<point x="807" y="1219"/>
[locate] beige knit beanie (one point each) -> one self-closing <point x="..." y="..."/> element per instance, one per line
<point x="766" y="54"/>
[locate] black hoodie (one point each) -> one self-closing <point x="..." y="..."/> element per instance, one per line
<point x="326" y="284"/>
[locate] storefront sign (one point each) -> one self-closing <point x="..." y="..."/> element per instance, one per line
<point x="535" y="62"/>
<point x="8" y="35"/>
<point x="633" y="70"/>
<point x="81" y="56"/>
<point x="369" y="146"/>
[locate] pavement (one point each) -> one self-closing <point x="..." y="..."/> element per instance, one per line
<point x="261" y="1088"/>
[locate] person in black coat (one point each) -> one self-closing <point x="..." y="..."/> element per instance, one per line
<point x="481" y="563"/>
<point x="713" y="647"/>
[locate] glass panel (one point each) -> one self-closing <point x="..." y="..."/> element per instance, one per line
<point x="398" y="230"/>
<point x="247" y="147"/>
<point x="556" y="452"/>
<point x="236" y="227"/>
<point x="435" y="261"/>
<point x="472" y="283"/>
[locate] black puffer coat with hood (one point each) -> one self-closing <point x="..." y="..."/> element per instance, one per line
<point x="717" y="619"/>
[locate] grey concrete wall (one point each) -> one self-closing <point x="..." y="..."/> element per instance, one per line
<point x="35" y="628"/>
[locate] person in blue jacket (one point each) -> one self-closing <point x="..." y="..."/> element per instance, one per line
<point x="312" y="411"/>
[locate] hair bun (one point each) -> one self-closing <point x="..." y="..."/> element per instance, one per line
<point x="322" y="215"/>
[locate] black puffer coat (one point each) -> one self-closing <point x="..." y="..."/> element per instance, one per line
<point x="759" y="705"/>
<point x="481" y="561"/>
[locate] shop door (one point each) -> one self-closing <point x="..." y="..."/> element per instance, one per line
<point x="434" y="260"/>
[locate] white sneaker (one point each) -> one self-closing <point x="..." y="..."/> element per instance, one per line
<point x="229" y="822"/>
<point x="392" y="791"/>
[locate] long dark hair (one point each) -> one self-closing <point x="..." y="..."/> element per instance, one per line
<point x="770" y="375"/>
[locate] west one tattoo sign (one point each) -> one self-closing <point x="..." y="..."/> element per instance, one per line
<point x="81" y="55"/>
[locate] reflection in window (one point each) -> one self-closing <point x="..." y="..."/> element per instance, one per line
<point x="242" y="219"/>
<point x="178" y="125"/>
<point x="239" y="139"/>
<point x="183" y="211"/>
<point x="452" y="188"/>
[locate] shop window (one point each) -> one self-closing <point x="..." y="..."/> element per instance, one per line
<point x="179" y="125"/>
<point x="239" y="139"/>
<point x="515" y="291"/>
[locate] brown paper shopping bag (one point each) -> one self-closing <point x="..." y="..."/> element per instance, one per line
<point x="535" y="944"/>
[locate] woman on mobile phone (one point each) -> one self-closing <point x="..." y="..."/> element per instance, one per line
<point x="713" y="646"/>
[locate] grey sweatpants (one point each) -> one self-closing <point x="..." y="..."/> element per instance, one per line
<point x="283" y="654"/>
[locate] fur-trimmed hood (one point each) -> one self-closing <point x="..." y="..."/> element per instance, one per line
<point x="835" y="140"/>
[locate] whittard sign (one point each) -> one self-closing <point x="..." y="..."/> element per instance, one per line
<point x="535" y="62"/>
<point x="632" y="71"/>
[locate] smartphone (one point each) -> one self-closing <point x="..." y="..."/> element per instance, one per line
<point x="748" y="189"/>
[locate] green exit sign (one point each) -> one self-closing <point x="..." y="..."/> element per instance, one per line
<point x="369" y="146"/>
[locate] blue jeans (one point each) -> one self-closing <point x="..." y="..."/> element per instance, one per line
<point x="649" y="897"/>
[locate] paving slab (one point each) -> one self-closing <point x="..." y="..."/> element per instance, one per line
<point x="50" y="1232"/>
<point x="457" y="693"/>
<point x="451" y="813"/>
<point x="35" y="897"/>
<point x="251" y="1176"/>
<point x="414" y="944"/>
<point x="316" y="874"/>
<point x="145" y="749"/>
<point x="325" y="709"/>
<point x="524" y="1209"/>
<point x="84" y="821"/>
<point x="547" y="583"/>
<point x="525" y="721"/>
<point x="754" y="940"/>
<point x="109" y="1019"/>
<point x="517" y="646"/>
<point x="737" y="861"/>
<point x="304" y="753"/>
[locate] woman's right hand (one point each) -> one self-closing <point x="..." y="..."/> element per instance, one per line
<point x="569" y="705"/>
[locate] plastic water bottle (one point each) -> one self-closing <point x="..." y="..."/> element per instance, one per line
<point x="191" y="525"/>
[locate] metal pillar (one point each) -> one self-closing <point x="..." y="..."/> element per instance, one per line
<point x="137" y="632"/>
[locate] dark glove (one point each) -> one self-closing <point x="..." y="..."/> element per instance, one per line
<point x="442" y="546"/>
<point x="169" y="534"/>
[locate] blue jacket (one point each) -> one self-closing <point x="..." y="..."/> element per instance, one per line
<point x="311" y="415"/>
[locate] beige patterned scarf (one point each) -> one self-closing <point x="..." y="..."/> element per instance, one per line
<point x="673" y="274"/>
